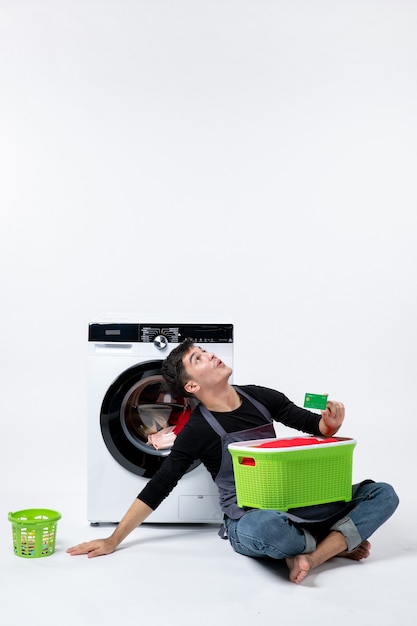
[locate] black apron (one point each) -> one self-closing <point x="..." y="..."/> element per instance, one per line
<point x="225" y="479"/>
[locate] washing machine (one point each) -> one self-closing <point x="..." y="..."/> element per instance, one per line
<point x="127" y="401"/>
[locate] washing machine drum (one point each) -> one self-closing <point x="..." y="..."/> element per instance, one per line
<point x="139" y="404"/>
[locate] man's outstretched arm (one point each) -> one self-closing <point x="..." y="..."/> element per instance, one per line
<point x="135" y="515"/>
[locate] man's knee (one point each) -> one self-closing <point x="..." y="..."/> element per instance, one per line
<point x="388" y="494"/>
<point x="384" y="492"/>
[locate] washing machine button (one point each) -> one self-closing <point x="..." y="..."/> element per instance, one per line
<point x="160" y="342"/>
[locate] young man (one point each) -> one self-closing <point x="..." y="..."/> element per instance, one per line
<point x="305" y="538"/>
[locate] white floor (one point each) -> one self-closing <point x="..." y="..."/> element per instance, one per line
<point x="187" y="575"/>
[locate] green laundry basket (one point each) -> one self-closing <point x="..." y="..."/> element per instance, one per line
<point x="292" y="477"/>
<point x="34" y="532"/>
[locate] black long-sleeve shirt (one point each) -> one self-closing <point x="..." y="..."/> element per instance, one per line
<point x="198" y="440"/>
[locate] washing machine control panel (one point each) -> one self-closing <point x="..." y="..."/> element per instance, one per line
<point x="155" y="334"/>
<point x="160" y="334"/>
<point x="200" y="333"/>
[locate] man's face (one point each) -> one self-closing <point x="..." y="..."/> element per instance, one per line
<point x="204" y="368"/>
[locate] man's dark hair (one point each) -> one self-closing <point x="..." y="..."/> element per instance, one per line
<point x="173" y="369"/>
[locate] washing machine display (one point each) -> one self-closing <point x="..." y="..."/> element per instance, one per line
<point x="128" y="403"/>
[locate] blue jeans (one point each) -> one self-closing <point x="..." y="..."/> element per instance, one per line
<point x="262" y="533"/>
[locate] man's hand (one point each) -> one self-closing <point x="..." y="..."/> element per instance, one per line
<point x="331" y="418"/>
<point x="135" y="515"/>
<point x="96" y="547"/>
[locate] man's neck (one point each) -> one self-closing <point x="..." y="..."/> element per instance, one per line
<point x="222" y="401"/>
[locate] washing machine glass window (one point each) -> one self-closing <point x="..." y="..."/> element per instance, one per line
<point x="136" y="405"/>
<point x="149" y="408"/>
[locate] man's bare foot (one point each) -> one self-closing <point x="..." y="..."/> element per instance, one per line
<point x="299" y="567"/>
<point x="361" y="552"/>
<point x="302" y="564"/>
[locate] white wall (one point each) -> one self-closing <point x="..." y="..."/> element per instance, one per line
<point x="248" y="156"/>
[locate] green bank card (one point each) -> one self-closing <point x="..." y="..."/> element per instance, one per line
<point x="315" y="401"/>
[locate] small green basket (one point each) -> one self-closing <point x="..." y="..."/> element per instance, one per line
<point x="34" y="532"/>
<point x="291" y="477"/>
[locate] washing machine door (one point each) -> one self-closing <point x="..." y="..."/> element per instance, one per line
<point x="136" y="405"/>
